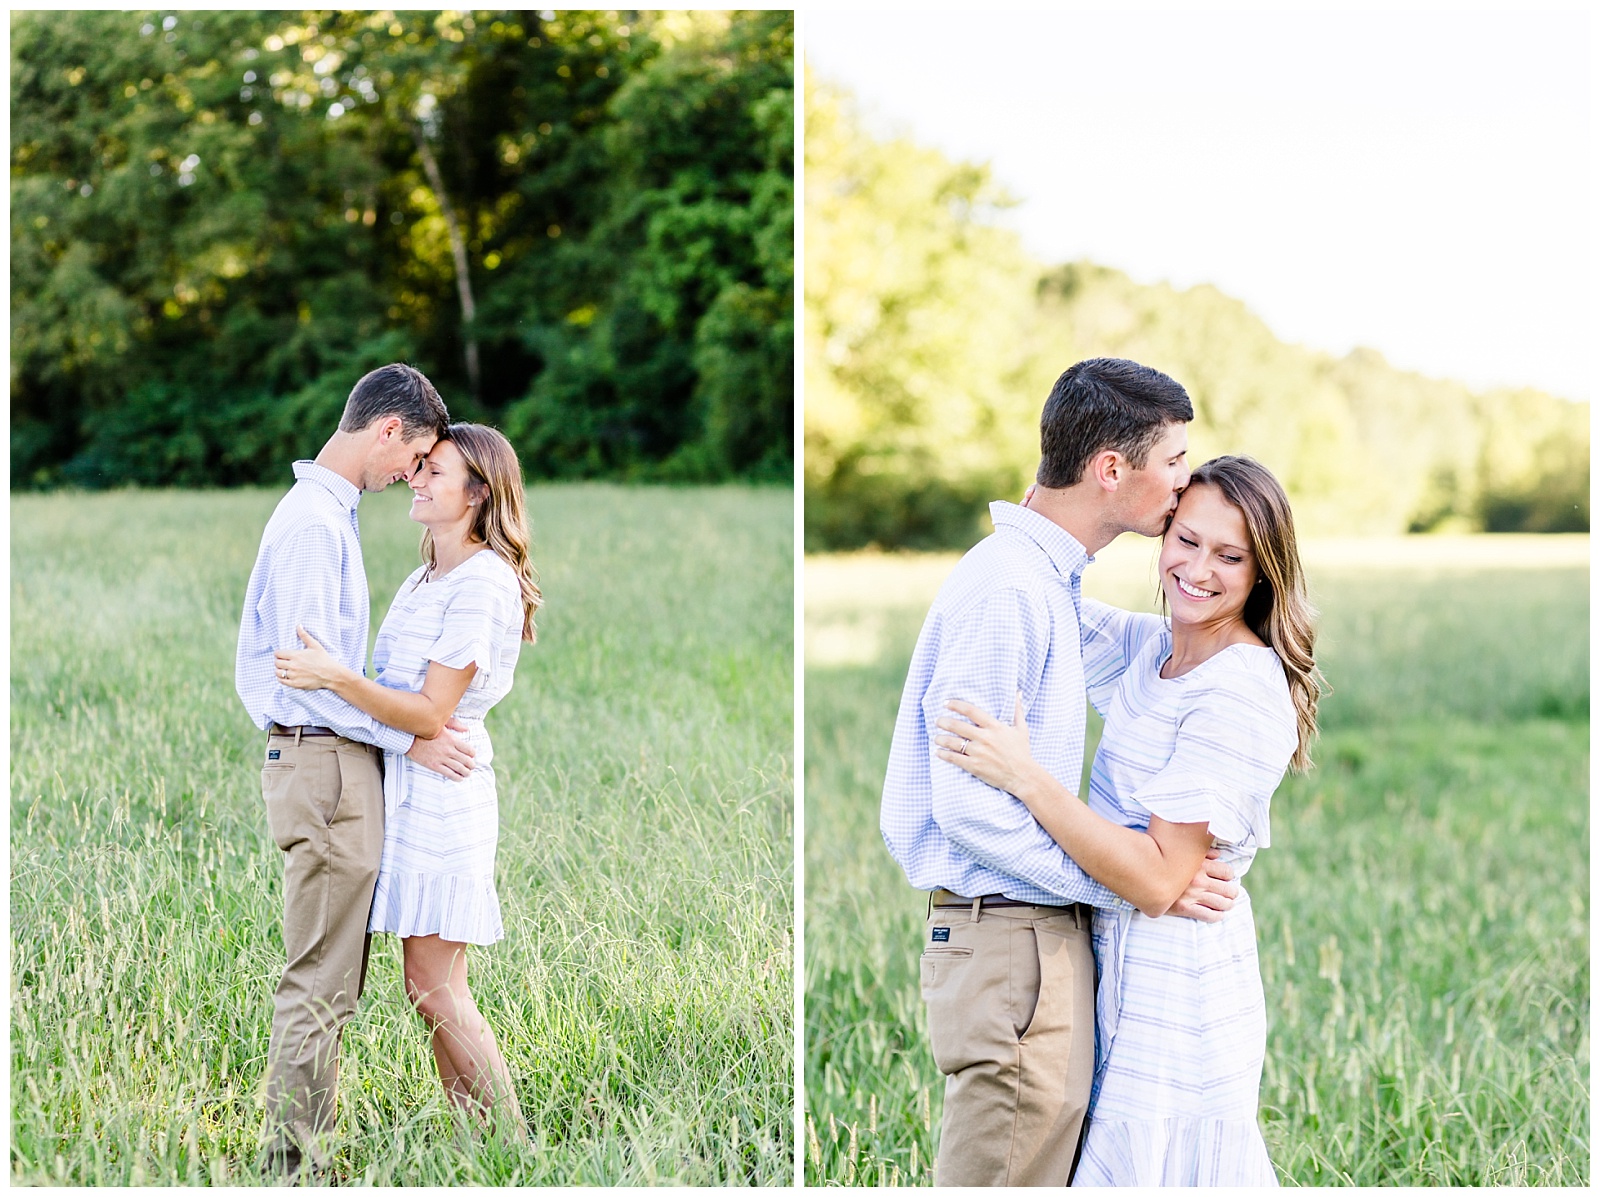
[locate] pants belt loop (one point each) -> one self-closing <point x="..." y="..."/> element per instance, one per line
<point x="977" y="908"/>
<point x="930" y="903"/>
<point x="298" y="732"/>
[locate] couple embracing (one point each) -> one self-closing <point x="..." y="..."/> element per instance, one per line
<point x="381" y="792"/>
<point x="1093" y="993"/>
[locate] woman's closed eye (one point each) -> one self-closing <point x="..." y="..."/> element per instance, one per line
<point x="1229" y="558"/>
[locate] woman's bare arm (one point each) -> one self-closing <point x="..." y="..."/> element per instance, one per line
<point x="1151" y="869"/>
<point x="422" y="713"/>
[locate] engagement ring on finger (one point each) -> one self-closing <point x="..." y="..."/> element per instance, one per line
<point x="963" y="749"/>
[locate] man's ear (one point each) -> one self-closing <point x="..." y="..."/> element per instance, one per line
<point x="1106" y="469"/>
<point x="388" y="428"/>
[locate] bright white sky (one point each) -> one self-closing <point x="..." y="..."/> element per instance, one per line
<point x="1415" y="182"/>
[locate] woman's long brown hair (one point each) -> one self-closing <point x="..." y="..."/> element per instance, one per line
<point x="1278" y="610"/>
<point x="502" y="520"/>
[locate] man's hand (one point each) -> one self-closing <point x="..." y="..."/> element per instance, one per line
<point x="1211" y="894"/>
<point x="447" y="753"/>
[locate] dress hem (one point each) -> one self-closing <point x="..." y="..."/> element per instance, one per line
<point x="456" y="908"/>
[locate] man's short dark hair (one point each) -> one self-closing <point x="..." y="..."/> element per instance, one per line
<point x="1105" y="403"/>
<point x="396" y="390"/>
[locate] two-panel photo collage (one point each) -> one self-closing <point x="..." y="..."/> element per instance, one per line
<point x="775" y="598"/>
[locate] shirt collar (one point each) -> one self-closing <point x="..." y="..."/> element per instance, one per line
<point x="347" y="492"/>
<point x="1062" y="547"/>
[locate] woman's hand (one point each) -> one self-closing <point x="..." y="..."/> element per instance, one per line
<point x="986" y="748"/>
<point x="311" y="668"/>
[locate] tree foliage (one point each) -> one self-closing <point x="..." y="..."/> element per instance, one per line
<point x="912" y="416"/>
<point x="221" y="219"/>
<point x="932" y="341"/>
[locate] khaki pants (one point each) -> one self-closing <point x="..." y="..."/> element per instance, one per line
<point x="1010" y="995"/>
<point x="324" y="799"/>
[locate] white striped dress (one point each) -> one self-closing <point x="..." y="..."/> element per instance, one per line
<point x="439" y="835"/>
<point x="1181" y="1022"/>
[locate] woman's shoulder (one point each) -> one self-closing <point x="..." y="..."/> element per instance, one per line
<point x="484" y="567"/>
<point x="486" y="576"/>
<point x="1249" y="679"/>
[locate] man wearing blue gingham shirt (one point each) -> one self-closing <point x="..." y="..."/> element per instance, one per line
<point x="1007" y="966"/>
<point x="309" y="573"/>
<point x="1005" y="620"/>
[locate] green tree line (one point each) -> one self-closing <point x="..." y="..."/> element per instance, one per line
<point x="578" y="224"/>
<point x="932" y="339"/>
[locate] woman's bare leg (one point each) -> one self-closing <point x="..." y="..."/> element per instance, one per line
<point x="471" y="1068"/>
<point x="455" y="1087"/>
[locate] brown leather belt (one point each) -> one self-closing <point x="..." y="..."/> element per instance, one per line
<point x="943" y="897"/>
<point x="309" y="729"/>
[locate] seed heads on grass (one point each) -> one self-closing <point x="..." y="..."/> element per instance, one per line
<point x="1452" y="1048"/>
<point x="145" y="888"/>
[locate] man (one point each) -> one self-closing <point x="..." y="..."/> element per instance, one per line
<point x="1007" y="968"/>
<point x="322" y="780"/>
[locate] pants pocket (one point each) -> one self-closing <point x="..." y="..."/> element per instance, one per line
<point x="938" y="967"/>
<point x="946" y="980"/>
<point x="1025" y="979"/>
<point x="1064" y="958"/>
<point x="301" y="791"/>
<point x="278" y="778"/>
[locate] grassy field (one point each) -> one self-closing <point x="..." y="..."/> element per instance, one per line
<point x="1423" y="912"/>
<point x="643" y="994"/>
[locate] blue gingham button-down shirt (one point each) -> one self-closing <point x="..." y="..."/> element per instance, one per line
<point x="309" y="572"/>
<point x="1007" y="619"/>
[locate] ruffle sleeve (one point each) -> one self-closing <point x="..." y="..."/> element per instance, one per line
<point x="472" y="620"/>
<point x="1110" y="638"/>
<point x="1236" y="732"/>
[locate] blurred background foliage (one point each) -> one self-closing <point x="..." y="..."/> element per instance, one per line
<point x="931" y="341"/>
<point x="578" y="224"/>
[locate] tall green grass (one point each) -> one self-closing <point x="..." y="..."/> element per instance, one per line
<point x="643" y="992"/>
<point x="1423" y="911"/>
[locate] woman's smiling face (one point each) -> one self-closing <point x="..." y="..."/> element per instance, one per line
<point x="1207" y="567"/>
<point x="440" y="489"/>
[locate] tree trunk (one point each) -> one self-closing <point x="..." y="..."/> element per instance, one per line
<point x="458" y="251"/>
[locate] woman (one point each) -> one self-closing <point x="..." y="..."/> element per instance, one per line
<point x="447" y="648"/>
<point x="1202" y="717"/>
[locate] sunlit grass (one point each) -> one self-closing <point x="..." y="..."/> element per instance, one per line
<point x="1423" y="911"/>
<point x="643" y="992"/>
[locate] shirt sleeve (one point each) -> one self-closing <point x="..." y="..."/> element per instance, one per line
<point x="1234" y="742"/>
<point x="985" y="657"/>
<point x="473" y="611"/>
<point x="303" y="589"/>
<point x="1111" y="638"/>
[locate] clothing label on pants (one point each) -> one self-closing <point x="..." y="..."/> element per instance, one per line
<point x="941" y="935"/>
